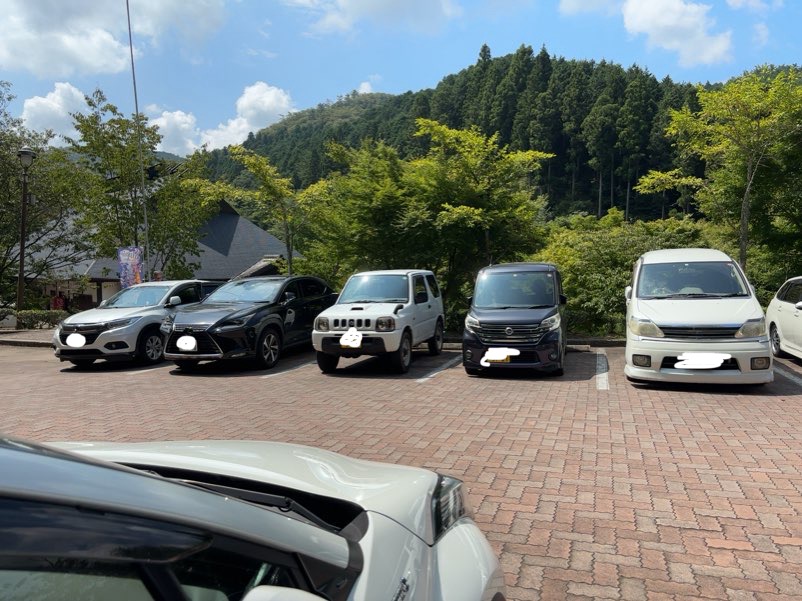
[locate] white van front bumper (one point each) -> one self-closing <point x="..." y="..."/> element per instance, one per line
<point x="664" y="354"/>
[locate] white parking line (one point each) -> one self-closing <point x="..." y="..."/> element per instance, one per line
<point x="434" y="372"/>
<point x="286" y="371"/>
<point x="143" y="371"/>
<point x="602" y="383"/>
<point x="788" y="373"/>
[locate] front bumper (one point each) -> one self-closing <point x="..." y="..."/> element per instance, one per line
<point x="233" y="344"/>
<point x="663" y="355"/>
<point x="372" y="343"/>
<point x="117" y="344"/>
<point x="546" y="355"/>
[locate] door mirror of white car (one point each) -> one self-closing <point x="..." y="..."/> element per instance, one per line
<point x="174" y="300"/>
<point x="628" y="293"/>
<point x="278" y="593"/>
<point x="102" y="303"/>
<point x="563" y="299"/>
<point x="798" y="306"/>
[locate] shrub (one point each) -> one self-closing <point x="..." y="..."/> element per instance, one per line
<point x="33" y="319"/>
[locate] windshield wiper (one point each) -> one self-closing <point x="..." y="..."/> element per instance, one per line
<point x="280" y="502"/>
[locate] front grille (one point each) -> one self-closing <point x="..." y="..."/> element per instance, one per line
<point x="351" y="322"/>
<point x="727" y="364"/>
<point x="504" y="334"/>
<point x="89" y="331"/>
<point x="699" y="332"/>
<point x="206" y="344"/>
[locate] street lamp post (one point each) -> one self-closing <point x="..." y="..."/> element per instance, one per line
<point x="26" y="157"/>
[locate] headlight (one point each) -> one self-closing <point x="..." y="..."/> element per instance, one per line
<point x="471" y="323"/>
<point x="552" y="323"/>
<point x="644" y="327"/>
<point x="230" y="324"/>
<point x="121" y="323"/>
<point x="449" y="504"/>
<point x="385" y="324"/>
<point x="754" y="328"/>
<point x="322" y="324"/>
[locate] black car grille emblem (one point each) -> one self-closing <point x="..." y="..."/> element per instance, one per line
<point x="508" y="331"/>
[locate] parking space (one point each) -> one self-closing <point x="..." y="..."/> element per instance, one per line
<point x="588" y="487"/>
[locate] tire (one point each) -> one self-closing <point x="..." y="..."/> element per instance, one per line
<point x="436" y="342"/>
<point x="268" y="349"/>
<point x="472" y="371"/>
<point x="81" y="363"/>
<point x="400" y="359"/>
<point x="186" y="364"/>
<point x="327" y="363"/>
<point x="150" y="348"/>
<point x="774" y="341"/>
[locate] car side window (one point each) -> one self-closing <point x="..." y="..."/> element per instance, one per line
<point x="419" y="285"/>
<point x="189" y="294"/>
<point x="435" y="289"/>
<point x="794" y="293"/>
<point x="311" y="287"/>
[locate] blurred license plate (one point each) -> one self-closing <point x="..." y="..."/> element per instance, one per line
<point x="503" y="360"/>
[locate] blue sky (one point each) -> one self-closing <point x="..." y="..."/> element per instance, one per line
<point x="210" y="71"/>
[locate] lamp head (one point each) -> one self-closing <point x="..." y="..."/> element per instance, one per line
<point x="26" y="156"/>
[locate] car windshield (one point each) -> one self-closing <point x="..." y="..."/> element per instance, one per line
<point x="137" y="296"/>
<point x="518" y="290"/>
<point x="373" y="288"/>
<point x="256" y="291"/>
<point x="711" y="279"/>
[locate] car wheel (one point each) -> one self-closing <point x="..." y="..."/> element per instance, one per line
<point x="472" y="371"/>
<point x="436" y="341"/>
<point x="186" y="364"/>
<point x="79" y="363"/>
<point x="775" y="340"/>
<point x="401" y="358"/>
<point x="327" y="363"/>
<point x="150" y="349"/>
<point x="268" y="350"/>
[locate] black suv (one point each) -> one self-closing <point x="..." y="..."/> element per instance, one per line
<point x="251" y="318"/>
<point x="516" y="319"/>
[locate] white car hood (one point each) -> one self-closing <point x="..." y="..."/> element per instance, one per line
<point x="698" y="311"/>
<point x="401" y="493"/>
<point x="361" y="310"/>
<point x="100" y="315"/>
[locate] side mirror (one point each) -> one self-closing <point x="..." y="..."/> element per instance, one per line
<point x="470" y="300"/>
<point x="103" y="303"/>
<point x="798" y="306"/>
<point x="563" y="299"/>
<point x="289" y="297"/>
<point x="174" y="300"/>
<point x="628" y="293"/>
<point x="278" y="593"/>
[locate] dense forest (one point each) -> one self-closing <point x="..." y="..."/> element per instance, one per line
<point x="604" y="124"/>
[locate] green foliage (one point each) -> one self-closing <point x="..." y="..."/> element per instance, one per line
<point x="35" y="319"/>
<point x="596" y="257"/>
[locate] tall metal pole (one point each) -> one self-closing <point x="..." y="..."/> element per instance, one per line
<point x="139" y="144"/>
<point x="26" y="157"/>
<point x="22" y="236"/>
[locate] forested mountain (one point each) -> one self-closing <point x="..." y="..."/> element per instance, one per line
<point x="605" y="125"/>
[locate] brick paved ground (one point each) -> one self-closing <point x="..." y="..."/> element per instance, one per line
<point x="588" y="487"/>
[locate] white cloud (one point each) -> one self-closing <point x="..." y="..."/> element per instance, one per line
<point x="90" y="37"/>
<point x="259" y="106"/>
<point x="573" y="7"/>
<point x="760" y="34"/>
<point x="179" y="132"/>
<point x="365" y="88"/>
<point x="679" y="26"/>
<point x="53" y="111"/>
<point x="341" y="16"/>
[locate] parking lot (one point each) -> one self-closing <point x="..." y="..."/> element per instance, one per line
<point x="587" y="486"/>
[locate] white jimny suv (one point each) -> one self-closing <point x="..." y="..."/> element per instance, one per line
<point x="382" y="313"/>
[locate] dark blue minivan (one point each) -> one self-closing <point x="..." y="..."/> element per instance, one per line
<point x="516" y="320"/>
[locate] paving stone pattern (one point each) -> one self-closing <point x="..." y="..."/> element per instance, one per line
<point x="622" y="493"/>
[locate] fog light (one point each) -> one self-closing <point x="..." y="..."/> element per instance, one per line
<point x="116" y="346"/>
<point x="642" y="360"/>
<point x="468" y="354"/>
<point x="760" y="363"/>
<point x="552" y="356"/>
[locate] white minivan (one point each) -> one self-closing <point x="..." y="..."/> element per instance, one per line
<point x="692" y="316"/>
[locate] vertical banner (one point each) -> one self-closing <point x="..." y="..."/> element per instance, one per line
<point x="130" y="260"/>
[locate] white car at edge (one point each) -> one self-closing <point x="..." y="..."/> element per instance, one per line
<point x="784" y="318"/>
<point x="383" y="313"/>
<point x="233" y="520"/>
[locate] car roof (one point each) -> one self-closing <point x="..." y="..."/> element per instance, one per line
<point x="686" y="255"/>
<point x="521" y="266"/>
<point x="393" y="272"/>
<point x="46" y="474"/>
<point x="165" y="283"/>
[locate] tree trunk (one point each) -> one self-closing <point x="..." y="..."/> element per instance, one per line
<point x="601" y="175"/>
<point x="746" y="209"/>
